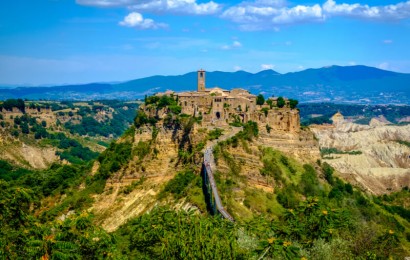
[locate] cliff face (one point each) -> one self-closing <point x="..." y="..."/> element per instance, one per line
<point x="27" y="155"/>
<point x="146" y="176"/>
<point x="301" y="145"/>
<point x="383" y="164"/>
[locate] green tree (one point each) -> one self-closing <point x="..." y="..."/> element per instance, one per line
<point x="15" y="133"/>
<point x="328" y="172"/>
<point x="141" y="119"/>
<point x="281" y="102"/>
<point x="293" y="103"/>
<point x="270" y="103"/>
<point x="24" y="128"/>
<point x="260" y="100"/>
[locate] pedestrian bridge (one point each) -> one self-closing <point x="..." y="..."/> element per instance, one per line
<point x="212" y="195"/>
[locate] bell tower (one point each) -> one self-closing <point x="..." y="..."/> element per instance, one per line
<point x="201" y="80"/>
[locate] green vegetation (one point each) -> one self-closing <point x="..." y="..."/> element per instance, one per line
<point x="122" y="115"/>
<point x="281" y="102"/>
<point x="22" y="236"/>
<point x="166" y="234"/>
<point x="10" y="103"/>
<point x="9" y="172"/>
<point x="320" y="120"/>
<point x="113" y="158"/>
<point x="265" y="111"/>
<point x="293" y="103"/>
<point x="180" y="185"/>
<point x="363" y="121"/>
<point x="128" y="189"/>
<point x="174" y="115"/>
<point x="328" y="151"/>
<point x="250" y="130"/>
<point x="141" y="119"/>
<point x="268" y="128"/>
<point x="215" y="134"/>
<point x="392" y="113"/>
<point x="270" y="103"/>
<point x="72" y="150"/>
<point x="307" y="212"/>
<point x="236" y="121"/>
<point x="394" y="203"/>
<point x="260" y="100"/>
<point x="312" y="210"/>
<point x="406" y="143"/>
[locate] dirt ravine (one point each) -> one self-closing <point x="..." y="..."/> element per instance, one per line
<point x="383" y="165"/>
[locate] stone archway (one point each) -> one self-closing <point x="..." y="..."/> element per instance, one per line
<point x="218" y="115"/>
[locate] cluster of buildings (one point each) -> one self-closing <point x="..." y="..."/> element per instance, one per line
<point x="220" y="107"/>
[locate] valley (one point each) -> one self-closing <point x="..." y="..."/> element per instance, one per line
<point x="35" y="134"/>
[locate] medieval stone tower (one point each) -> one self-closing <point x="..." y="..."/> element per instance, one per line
<point x="201" y="80"/>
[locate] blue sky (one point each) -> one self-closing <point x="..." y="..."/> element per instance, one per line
<point x="80" y="41"/>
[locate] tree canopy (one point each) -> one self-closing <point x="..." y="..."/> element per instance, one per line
<point x="281" y="102"/>
<point x="260" y="100"/>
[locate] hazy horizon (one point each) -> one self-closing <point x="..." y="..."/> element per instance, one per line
<point x="126" y="80"/>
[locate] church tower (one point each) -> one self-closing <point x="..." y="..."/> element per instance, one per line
<point x="201" y="80"/>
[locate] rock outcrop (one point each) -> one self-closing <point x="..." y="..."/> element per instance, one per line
<point x="380" y="164"/>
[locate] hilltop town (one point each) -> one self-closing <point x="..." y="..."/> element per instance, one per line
<point x="218" y="107"/>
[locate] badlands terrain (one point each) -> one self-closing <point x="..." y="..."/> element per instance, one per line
<point x="375" y="157"/>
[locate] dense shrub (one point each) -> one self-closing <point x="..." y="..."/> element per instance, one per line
<point x="113" y="158"/>
<point x="179" y="184"/>
<point x="215" y="134"/>
<point x="281" y="102"/>
<point x="288" y="197"/>
<point x="309" y="184"/>
<point x="328" y="172"/>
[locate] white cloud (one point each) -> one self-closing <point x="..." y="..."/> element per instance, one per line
<point x="267" y="66"/>
<point x="136" y="20"/>
<point x="269" y="14"/>
<point x="159" y="6"/>
<point x="236" y="68"/>
<point x="352" y="63"/>
<point x="384" y="66"/>
<point x="263" y="14"/>
<point x="388" y="41"/>
<point x="234" y="45"/>
<point x="299" y="13"/>
<point x="387" y="12"/>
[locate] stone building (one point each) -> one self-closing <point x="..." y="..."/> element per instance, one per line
<point x="220" y="107"/>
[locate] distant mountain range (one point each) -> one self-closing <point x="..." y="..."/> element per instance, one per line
<point x="350" y="84"/>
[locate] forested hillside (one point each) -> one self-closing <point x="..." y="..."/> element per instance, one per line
<point x="72" y="131"/>
<point x="319" y="113"/>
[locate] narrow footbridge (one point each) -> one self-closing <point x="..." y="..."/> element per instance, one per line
<point x="214" y="200"/>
